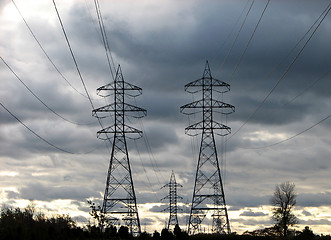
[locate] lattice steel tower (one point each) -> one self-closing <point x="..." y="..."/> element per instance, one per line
<point x="208" y="195"/>
<point x="172" y="196"/>
<point x="119" y="201"/>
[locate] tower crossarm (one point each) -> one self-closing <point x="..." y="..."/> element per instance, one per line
<point x="102" y="134"/>
<point x="140" y="112"/>
<point x="201" y="104"/>
<point x="225" y="130"/>
<point x="172" y="185"/>
<point x="134" y="90"/>
<point x="217" y="85"/>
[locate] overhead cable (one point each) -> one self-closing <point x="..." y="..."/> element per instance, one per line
<point x="44" y="51"/>
<point x="232" y="29"/>
<point x="308" y="87"/>
<point x="40" y="137"/>
<point x="284" y="74"/>
<point x="76" y="64"/>
<point x="249" y="41"/>
<point x="72" y="55"/>
<point x="296" y="135"/>
<point x="41" y="101"/>
<point x="238" y="33"/>
<point x="105" y="39"/>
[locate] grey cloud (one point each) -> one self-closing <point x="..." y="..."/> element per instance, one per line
<point x="148" y="221"/>
<point x="246" y="200"/>
<point x="315" y="222"/>
<point x="38" y="191"/>
<point x="314" y="200"/>
<point x="12" y="195"/>
<point x="158" y="208"/>
<point x="306" y="213"/>
<point x="253" y="214"/>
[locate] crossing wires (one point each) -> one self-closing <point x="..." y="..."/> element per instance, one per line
<point x="38" y="98"/>
<point x="105" y="41"/>
<point x="40" y="137"/>
<point x="44" y="51"/>
<point x="72" y="54"/>
<point x="322" y="17"/>
<point x="76" y="64"/>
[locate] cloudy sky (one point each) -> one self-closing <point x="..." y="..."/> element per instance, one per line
<point x="280" y="86"/>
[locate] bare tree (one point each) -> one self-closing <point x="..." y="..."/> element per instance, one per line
<point x="284" y="200"/>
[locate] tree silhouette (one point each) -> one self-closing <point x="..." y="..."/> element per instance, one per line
<point x="284" y="200"/>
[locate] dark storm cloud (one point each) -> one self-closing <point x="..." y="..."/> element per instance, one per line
<point x="28" y="143"/>
<point x="259" y="54"/>
<point x="163" y="107"/>
<point x="161" y="136"/>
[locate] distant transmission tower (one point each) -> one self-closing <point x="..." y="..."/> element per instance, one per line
<point x="119" y="199"/>
<point x="172" y="196"/>
<point x="208" y="194"/>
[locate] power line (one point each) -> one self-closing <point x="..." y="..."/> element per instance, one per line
<point x="239" y="31"/>
<point x="40" y="137"/>
<point x="296" y="135"/>
<point x="44" y="51"/>
<point x="295" y="46"/>
<point x="284" y="74"/>
<point x="149" y="151"/>
<point x="233" y="28"/>
<point x="72" y="55"/>
<point x="105" y="38"/>
<point x="311" y="85"/>
<point x="249" y="41"/>
<point x="42" y="102"/>
<point x="143" y="166"/>
<point x="76" y="64"/>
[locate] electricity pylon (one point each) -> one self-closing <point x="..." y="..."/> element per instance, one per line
<point x="119" y="201"/>
<point x="208" y="195"/>
<point x="172" y="196"/>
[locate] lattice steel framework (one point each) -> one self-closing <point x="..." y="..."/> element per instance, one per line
<point x="208" y="195"/>
<point x="172" y="196"/>
<point x="119" y="199"/>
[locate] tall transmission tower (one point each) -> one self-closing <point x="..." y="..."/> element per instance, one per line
<point x="172" y="196"/>
<point x="119" y="201"/>
<point x="208" y="195"/>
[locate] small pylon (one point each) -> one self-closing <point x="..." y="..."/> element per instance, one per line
<point x="172" y="196"/>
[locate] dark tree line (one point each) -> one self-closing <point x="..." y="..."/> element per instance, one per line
<point x="17" y="224"/>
